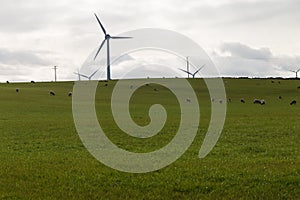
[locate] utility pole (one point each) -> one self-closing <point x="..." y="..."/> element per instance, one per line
<point x="188" y="66"/>
<point x="55" y="76"/>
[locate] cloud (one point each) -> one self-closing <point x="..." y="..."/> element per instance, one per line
<point x="243" y="51"/>
<point x="9" y="57"/>
<point x="236" y="59"/>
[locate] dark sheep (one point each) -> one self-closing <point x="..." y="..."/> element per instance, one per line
<point x="17" y="90"/>
<point x="106" y="85"/>
<point x="52" y="93"/>
<point x="155" y="89"/>
<point x="298" y="87"/>
<point x="229" y="100"/>
<point x="262" y="102"/>
<point x="257" y="101"/>
<point x="70" y="94"/>
<point x="7" y="82"/>
<point x="32" y="81"/>
<point x="280" y="97"/>
<point x="294" y="102"/>
<point x="243" y="100"/>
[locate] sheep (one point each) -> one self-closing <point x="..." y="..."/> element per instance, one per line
<point x="52" y="93"/>
<point x="70" y="94"/>
<point x="17" y="90"/>
<point x="257" y="101"/>
<point x="298" y="87"/>
<point x="220" y="101"/>
<point x="262" y="102"/>
<point x="155" y="89"/>
<point x="188" y="100"/>
<point x="7" y="82"/>
<point x="280" y="97"/>
<point x="243" y="100"/>
<point x="106" y="85"/>
<point x="294" y="102"/>
<point x="32" y="82"/>
<point x="229" y="100"/>
<point x="212" y="100"/>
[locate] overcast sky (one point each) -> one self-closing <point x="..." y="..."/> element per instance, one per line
<point x="243" y="37"/>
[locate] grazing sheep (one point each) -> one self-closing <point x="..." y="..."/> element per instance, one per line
<point x="262" y="102"/>
<point x="229" y="100"/>
<point x="243" y="100"/>
<point x="298" y="87"/>
<point x="220" y="101"/>
<point x="17" y="90"/>
<point x="257" y="101"/>
<point x="52" y="93"/>
<point x="147" y="84"/>
<point x="280" y="97"/>
<point x="212" y="100"/>
<point x="294" y="102"/>
<point x="7" y="82"/>
<point x="188" y="100"/>
<point x="272" y="81"/>
<point x="106" y="85"/>
<point x="32" y="81"/>
<point x="155" y="89"/>
<point x="70" y="94"/>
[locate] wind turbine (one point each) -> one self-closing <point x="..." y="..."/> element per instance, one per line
<point x="107" y="38"/>
<point x="295" y="71"/>
<point x="192" y="74"/>
<point x="85" y="76"/>
<point x="79" y="75"/>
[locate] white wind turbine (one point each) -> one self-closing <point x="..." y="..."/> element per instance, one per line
<point x="295" y="71"/>
<point x="192" y="74"/>
<point x="85" y="76"/>
<point x="107" y="38"/>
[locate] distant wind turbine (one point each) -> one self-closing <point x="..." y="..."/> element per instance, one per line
<point x="107" y="38"/>
<point x="78" y="74"/>
<point x="192" y="74"/>
<point x="85" y="76"/>
<point x="295" y="71"/>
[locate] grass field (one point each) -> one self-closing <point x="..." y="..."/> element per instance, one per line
<point x="256" y="157"/>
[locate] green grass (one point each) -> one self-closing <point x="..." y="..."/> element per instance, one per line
<point x="256" y="157"/>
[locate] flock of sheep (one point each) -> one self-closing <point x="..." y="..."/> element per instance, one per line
<point x="51" y="92"/>
<point x="229" y="100"/>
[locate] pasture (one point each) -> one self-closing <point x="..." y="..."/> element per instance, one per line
<point x="256" y="157"/>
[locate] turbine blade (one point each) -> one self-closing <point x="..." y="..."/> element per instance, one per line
<point x="84" y="76"/>
<point x="99" y="49"/>
<point x="119" y="37"/>
<point x="199" y="69"/>
<point x="102" y="27"/>
<point x="93" y="74"/>
<point x="186" y="71"/>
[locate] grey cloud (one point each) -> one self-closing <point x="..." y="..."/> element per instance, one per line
<point x="9" y="57"/>
<point x="246" y="61"/>
<point x="243" y="51"/>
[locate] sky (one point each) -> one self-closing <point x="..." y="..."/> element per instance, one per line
<point x="255" y="38"/>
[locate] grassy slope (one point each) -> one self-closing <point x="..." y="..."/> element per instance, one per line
<point x="257" y="156"/>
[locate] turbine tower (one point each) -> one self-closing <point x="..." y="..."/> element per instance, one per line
<point x="192" y="74"/>
<point x="188" y="66"/>
<point x="107" y="38"/>
<point x="295" y="71"/>
<point x="55" y="76"/>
